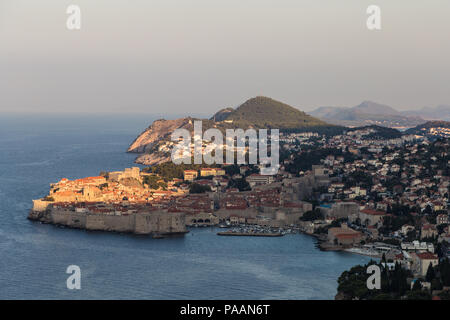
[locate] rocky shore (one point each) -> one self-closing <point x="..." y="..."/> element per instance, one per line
<point x="150" y="143"/>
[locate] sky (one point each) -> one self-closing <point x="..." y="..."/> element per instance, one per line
<point x="198" y="56"/>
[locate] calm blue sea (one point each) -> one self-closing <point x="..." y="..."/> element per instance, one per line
<point x="36" y="150"/>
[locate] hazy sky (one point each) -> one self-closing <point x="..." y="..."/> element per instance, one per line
<point x="198" y="56"/>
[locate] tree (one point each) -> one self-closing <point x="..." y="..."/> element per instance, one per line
<point x="389" y="209"/>
<point x="417" y="285"/>
<point x="154" y="182"/>
<point x="241" y="184"/>
<point x="198" y="188"/>
<point x="444" y="270"/>
<point x="436" y="284"/>
<point x="411" y="235"/>
<point x="104" y="174"/>
<point x="312" y="215"/>
<point x="430" y="273"/>
<point x="232" y="170"/>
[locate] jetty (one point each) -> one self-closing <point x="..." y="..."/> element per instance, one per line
<point x="251" y="234"/>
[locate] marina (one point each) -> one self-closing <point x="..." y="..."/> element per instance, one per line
<point x="245" y="230"/>
<point x="250" y="234"/>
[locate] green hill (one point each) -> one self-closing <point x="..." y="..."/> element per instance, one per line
<point x="263" y="112"/>
<point x="222" y="114"/>
<point x="431" y="129"/>
<point x="380" y="132"/>
<point x="428" y="125"/>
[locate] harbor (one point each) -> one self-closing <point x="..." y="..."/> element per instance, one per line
<point x="245" y="230"/>
<point x="250" y="234"/>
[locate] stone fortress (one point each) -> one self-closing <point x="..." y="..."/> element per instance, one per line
<point x="107" y="203"/>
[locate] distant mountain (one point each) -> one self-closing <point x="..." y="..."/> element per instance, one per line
<point x="370" y="107"/>
<point x="441" y="112"/>
<point x="333" y="113"/>
<point x="367" y="113"/>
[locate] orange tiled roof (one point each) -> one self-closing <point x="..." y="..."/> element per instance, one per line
<point x="373" y="212"/>
<point x="426" y="256"/>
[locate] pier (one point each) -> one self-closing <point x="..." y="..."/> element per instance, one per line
<point x="250" y="234"/>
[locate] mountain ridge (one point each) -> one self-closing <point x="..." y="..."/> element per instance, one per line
<point x="440" y="112"/>
<point x="367" y="113"/>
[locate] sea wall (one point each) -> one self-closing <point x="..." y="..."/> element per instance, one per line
<point x="110" y="223"/>
<point x="68" y="218"/>
<point x="155" y="222"/>
<point x="41" y="205"/>
<point x="174" y="222"/>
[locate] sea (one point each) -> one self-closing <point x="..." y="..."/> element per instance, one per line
<point x="39" y="149"/>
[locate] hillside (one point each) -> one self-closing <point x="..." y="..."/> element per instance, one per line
<point x="158" y="129"/>
<point x="263" y="112"/>
<point x="379" y="132"/>
<point x="154" y="143"/>
<point x="432" y="129"/>
<point x="222" y="114"/>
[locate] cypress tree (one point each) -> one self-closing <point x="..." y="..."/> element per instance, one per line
<point x="430" y="273"/>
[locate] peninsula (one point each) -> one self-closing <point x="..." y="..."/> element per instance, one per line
<point x="116" y="201"/>
<point x="154" y="144"/>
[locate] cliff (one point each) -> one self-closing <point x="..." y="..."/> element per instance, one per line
<point x="160" y="129"/>
<point x="154" y="144"/>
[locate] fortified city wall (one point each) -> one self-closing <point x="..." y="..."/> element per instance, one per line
<point x="139" y="223"/>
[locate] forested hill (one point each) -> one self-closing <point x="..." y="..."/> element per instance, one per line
<point x="264" y="112"/>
